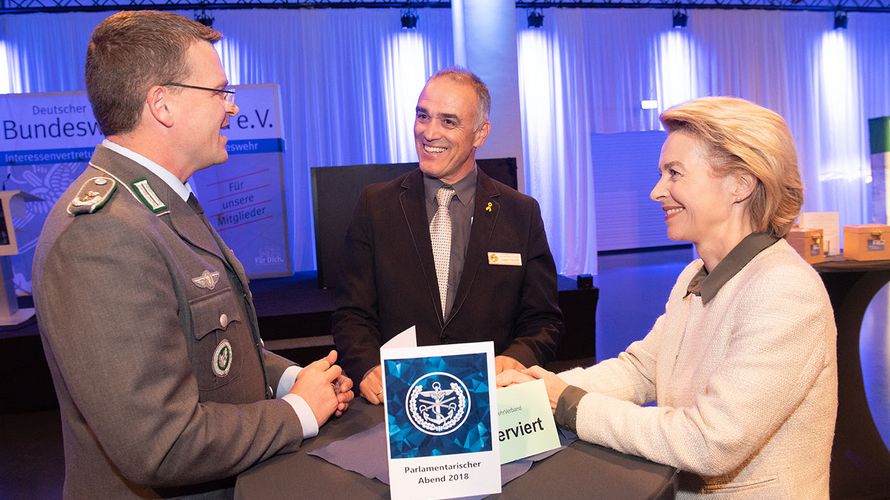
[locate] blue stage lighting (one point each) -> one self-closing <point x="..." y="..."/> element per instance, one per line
<point x="409" y="19"/>
<point x="535" y="19"/>
<point x="681" y="18"/>
<point x="840" y="20"/>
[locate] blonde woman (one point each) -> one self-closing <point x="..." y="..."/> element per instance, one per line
<point x="742" y="364"/>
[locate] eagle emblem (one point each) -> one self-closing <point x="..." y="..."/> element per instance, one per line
<point x="207" y="280"/>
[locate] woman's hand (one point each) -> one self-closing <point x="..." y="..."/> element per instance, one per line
<point x="554" y="384"/>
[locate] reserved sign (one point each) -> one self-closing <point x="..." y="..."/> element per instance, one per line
<point x="525" y="422"/>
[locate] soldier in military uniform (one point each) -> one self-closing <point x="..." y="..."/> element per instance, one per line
<point x="145" y="314"/>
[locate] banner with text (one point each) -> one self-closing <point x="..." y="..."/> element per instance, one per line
<point x="244" y="198"/>
<point x="46" y="142"/>
<point x="48" y="139"/>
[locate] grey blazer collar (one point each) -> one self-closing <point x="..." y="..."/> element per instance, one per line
<point x="177" y="214"/>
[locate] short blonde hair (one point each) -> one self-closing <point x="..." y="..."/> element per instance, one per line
<point x="738" y="136"/>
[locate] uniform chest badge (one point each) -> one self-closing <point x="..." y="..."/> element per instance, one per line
<point x="222" y="359"/>
<point x="437" y="403"/>
<point x="207" y="280"/>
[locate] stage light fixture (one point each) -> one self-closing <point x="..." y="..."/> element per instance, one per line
<point x="681" y="18"/>
<point x="840" y="20"/>
<point x="409" y="19"/>
<point x="535" y="18"/>
<point x="204" y="18"/>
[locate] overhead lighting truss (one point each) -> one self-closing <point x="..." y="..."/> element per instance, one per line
<point x="814" y="5"/>
<point x="27" y="6"/>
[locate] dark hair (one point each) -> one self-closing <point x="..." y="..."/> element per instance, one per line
<point x="129" y="52"/>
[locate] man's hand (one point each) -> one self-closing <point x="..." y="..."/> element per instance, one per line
<point x="315" y="384"/>
<point x="554" y="384"/>
<point x="371" y="387"/>
<point x="510" y="377"/>
<point x="503" y="363"/>
<point x="343" y="389"/>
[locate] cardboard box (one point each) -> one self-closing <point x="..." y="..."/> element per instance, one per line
<point x="867" y="242"/>
<point x="809" y="243"/>
<point x="829" y="223"/>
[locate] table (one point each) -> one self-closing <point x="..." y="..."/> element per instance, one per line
<point x="582" y="470"/>
<point x="860" y="463"/>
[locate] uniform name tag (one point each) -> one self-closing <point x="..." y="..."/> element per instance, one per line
<point x="504" y="259"/>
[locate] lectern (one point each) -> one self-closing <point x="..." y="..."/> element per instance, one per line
<point x="12" y="204"/>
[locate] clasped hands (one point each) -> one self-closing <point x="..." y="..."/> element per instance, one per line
<point x="371" y="387"/>
<point x="553" y="383"/>
<point x="324" y="388"/>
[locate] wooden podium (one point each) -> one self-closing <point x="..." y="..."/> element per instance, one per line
<point x="12" y="204"/>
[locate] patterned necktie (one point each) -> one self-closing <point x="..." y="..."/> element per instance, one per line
<point x="440" y="236"/>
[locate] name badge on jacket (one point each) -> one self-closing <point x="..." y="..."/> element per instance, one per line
<point x="504" y="259"/>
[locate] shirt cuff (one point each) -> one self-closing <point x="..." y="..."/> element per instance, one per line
<point x="304" y="413"/>
<point x="300" y="406"/>
<point x="286" y="382"/>
<point x="567" y="407"/>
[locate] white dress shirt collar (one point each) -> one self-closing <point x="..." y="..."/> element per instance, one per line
<point x="182" y="189"/>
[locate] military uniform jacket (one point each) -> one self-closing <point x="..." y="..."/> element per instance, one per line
<point x="151" y="336"/>
<point x="388" y="277"/>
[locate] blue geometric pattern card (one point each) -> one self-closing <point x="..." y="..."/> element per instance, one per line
<point x="440" y="422"/>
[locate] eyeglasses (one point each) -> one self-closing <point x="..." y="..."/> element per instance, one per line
<point x="228" y="92"/>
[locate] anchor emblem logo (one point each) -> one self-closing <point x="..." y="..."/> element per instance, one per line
<point x="442" y="407"/>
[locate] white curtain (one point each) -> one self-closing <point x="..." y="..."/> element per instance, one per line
<point x="587" y="70"/>
<point x="349" y="83"/>
<point x="350" y="79"/>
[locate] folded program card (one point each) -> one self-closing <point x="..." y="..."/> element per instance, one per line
<point x="407" y="338"/>
<point x="440" y="421"/>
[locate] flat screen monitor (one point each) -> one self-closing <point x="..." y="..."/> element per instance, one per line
<point x="335" y="191"/>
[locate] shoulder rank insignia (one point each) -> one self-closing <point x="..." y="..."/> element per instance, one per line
<point x="92" y="196"/>
<point x="148" y="196"/>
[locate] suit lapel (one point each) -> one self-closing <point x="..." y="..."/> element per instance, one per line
<point x="411" y="199"/>
<point x="485" y="216"/>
